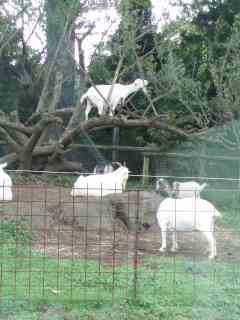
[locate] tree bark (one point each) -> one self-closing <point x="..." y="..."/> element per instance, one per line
<point x="60" y="29"/>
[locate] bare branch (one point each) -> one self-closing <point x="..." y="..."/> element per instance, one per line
<point x="81" y="36"/>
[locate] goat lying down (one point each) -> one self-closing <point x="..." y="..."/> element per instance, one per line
<point x="5" y="184"/>
<point x="179" y="189"/>
<point x="187" y="214"/>
<point x="101" y="184"/>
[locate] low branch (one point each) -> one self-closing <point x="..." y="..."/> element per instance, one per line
<point x="61" y="113"/>
<point x="17" y="127"/>
<point x="121" y="123"/>
<point x="38" y="129"/>
<point x="44" y="150"/>
<point x="10" y="141"/>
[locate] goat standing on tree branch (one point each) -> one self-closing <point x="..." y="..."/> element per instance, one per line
<point x="106" y="98"/>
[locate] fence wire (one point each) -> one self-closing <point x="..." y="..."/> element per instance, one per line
<point x="106" y="249"/>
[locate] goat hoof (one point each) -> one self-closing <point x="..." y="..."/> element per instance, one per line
<point x="173" y="249"/>
<point x="162" y="249"/>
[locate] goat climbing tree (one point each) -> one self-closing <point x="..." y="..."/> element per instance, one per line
<point x="33" y="144"/>
<point x="176" y="105"/>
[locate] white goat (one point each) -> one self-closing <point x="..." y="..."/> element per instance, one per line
<point x="101" y="184"/>
<point x="103" y="98"/>
<point x="187" y="214"/>
<point x="179" y="189"/>
<point x="5" y="184"/>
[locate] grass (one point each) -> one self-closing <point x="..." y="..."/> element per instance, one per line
<point x="167" y="288"/>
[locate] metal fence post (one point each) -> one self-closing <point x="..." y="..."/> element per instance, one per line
<point x="135" y="260"/>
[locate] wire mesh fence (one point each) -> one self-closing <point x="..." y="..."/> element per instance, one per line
<point x="105" y="249"/>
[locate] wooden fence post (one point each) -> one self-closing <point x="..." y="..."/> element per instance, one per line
<point x="146" y="164"/>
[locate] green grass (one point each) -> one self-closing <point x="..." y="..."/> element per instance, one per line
<point x="166" y="287"/>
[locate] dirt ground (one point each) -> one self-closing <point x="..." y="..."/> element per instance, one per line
<point x="57" y="231"/>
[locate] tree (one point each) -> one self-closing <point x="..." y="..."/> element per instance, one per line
<point x="175" y="108"/>
<point x="203" y="38"/>
<point x="19" y="87"/>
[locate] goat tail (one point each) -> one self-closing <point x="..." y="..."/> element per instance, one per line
<point x="3" y="165"/>
<point x="202" y="186"/>
<point x="217" y="213"/>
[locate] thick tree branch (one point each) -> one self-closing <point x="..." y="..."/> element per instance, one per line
<point x="122" y="123"/>
<point x="38" y="129"/>
<point x="17" y="127"/>
<point x="11" y="142"/>
<point x="64" y="114"/>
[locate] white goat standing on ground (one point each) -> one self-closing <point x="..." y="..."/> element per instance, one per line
<point x="180" y="189"/>
<point x="5" y="184"/>
<point x="101" y="184"/>
<point x="103" y="98"/>
<point x="187" y="214"/>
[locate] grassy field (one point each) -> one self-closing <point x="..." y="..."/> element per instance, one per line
<point x="167" y="288"/>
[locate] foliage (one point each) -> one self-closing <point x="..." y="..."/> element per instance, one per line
<point x="19" y="75"/>
<point x="8" y="56"/>
<point x="14" y="237"/>
<point x="135" y="30"/>
<point x="192" y="65"/>
<point x="207" y="36"/>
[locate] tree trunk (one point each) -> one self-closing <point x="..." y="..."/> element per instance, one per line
<point x="56" y="20"/>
